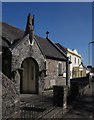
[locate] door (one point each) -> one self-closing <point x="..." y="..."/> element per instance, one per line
<point x="29" y="76"/>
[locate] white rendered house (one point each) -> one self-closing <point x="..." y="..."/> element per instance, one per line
<point x="76" y="62"/>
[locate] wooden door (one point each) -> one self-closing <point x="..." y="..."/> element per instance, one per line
<point x="29" y="76"/>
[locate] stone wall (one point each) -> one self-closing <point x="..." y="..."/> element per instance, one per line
<point x="24" y="50"/>
<point x="0" y="96"/>
<point x="10" y="99"/>
<point x="52" y="76"/>
<point x="78" y="87"/>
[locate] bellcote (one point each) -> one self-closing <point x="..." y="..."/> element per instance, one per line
<point x="30" y="24"/>
<point x="30" y="27"/>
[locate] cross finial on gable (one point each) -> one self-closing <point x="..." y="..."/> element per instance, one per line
<point x="47" y="33"/>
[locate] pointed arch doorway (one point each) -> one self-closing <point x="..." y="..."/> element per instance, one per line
<point x="29" y="76"/>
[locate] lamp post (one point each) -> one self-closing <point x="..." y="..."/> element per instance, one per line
<point x="93" y="54"/>
<point x="89" y="66"/>
<point x="89" y="52"/>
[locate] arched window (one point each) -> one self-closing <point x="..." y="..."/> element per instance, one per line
<point x="45" y="67"/>
<point x="60" y="69"/>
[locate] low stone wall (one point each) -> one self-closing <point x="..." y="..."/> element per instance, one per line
<point x="10" y="99"/>
<point x="78" y="87"/>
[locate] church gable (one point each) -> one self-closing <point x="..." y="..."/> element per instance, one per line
<point x="24" y="50"/>
<point x="30" y="55"/>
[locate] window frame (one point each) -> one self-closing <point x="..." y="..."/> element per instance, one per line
<point x="60" y="69"/>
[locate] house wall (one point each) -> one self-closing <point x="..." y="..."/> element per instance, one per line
<point x="83" y="73"/>
<point x="74" y="55"/>
<point x="80" y="72"/>
<point x="53" y="77"/>
<point x="24" y="50"/>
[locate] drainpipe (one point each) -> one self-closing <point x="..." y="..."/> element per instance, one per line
<point x="67" y="72"/>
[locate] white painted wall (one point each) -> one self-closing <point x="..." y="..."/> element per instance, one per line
<point x="74" y="55"/>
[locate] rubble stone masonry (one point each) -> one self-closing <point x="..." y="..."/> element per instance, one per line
<point x="10" y="99"/>
<point x="52" y="75"/>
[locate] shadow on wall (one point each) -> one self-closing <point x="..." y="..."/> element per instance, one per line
<point x="6" y="61"/>
<point x="77" y="87"/>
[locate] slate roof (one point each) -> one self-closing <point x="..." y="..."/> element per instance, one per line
<point x="10" y="33"/>
<point x="62" y="48"/>
<point x="49" y="49"/>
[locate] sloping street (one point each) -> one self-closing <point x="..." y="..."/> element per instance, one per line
<point x="81" y="108"/>
<point x="84" y="106"/>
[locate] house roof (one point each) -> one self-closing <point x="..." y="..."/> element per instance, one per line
<point x="11" y="35"/>
<point x="49" y="49"/>
<point x="10" y="32"/>
<point x="62" y="48"/>
<point x="73" y="52"/>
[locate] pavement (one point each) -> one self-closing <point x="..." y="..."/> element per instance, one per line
<point x="83" y="106"/>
